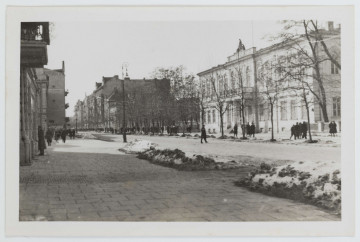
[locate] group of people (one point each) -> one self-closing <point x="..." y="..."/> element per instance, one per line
<point x="332" y="128"/>
<point x="248" y="128"/>
<point x="51" y="134"/>
<point x="299" y="130"/>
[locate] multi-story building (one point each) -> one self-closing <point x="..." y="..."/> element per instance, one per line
<point x="56" y="97"/>
<point x="145" y="101"/>
<point x="33" y="86"/>
<point x="240" y="81"/>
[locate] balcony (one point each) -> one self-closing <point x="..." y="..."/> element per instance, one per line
<point x="34" y="41"/>
<point x="66" y="105"/>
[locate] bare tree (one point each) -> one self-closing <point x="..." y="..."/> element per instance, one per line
<point x="295" y="74"/>
<point x="311" y="46"/>
<point x="219" y="91"/>
<point x="242" y="92"/>
<point x="271" y="87"/>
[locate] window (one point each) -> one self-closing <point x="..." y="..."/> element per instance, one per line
<point x="283" y="110"/>
<point x="261" y="112"/>
<point x="336" y="106"/>
<point x="334" y="69"/>
<point x="209" y="117"/>
<point x="214" y="116"/>
<point x="303" y="111"/>
<point x="293" y="110"/>
<point x="247" y="76"/>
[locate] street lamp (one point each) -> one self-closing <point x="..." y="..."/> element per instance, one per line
<point x="124" y="105"/>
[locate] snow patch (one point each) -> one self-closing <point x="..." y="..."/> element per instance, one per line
<point x="138" y="145"/>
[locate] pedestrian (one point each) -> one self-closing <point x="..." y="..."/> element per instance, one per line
<point x="297" y="131"/>
<point x="41" y="141"/>
<point x="235" y="131"/>
<point x="252" y="128"/>
<point x="248" y="129"/>
<point x="57" y="136"/>
<point x="63" y="135"/>
<point x="49" y="136"/>
<point x="73" y="133"/>
<point x="333" y="128"/>
<point x="293" y="132"/>
<point x="304" y="130"/>
<point x="203" y="134"/>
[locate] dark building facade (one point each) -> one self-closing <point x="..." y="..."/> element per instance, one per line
<point x="56" y="97"/>
<point x="147" y="103"/>
<point x="33" y="85"/>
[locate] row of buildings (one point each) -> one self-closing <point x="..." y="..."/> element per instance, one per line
<point x="42" y="91"/>
<point x="242" y="76"/>
<point x="147" y="104"/>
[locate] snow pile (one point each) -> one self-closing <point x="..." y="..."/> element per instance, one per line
<point x="318" y="183"/>
<point x="137" y="146"/>
<point x="180" y="160"/>
<point x="87" y="136"/>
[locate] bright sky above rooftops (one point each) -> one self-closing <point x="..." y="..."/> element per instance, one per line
<point x="95" y="49"/>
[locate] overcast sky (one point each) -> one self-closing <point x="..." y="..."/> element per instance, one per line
<point x="95" y="49"/>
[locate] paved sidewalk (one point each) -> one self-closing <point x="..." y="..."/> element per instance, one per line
<point x="75" y="186"/>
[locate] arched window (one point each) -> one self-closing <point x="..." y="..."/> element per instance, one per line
<point x="247" y="77"/>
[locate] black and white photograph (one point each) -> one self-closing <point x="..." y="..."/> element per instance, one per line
<point x="181" y="120"/>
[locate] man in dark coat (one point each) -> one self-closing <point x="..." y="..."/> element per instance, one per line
<point x="63" y="135"/>
<point x="304" y="130"/>
<point x="297" y="131"/>
<point x="252" y="129"/>
<point x="235" y="130"/>
<point x="49" y="136"/>
<point x="203" y="134"/>
<point x="292" y="131"/>
<point x="41" y="140"/>
<point x="248" y="129"/>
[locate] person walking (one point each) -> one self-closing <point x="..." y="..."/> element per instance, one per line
<point x="235" y="131"/>
<point x="304" y="130"/>
<point x="331" y="129"/>
<point x="334" y="127"/>
<point x="293" y="132"/>
<point x="49" y="136"/>
<point x="203" y="134"/>
<point x="297" y="130"/>
<point x="63" y="135"/>
<point x="73" y="133"/>
<point x="41" y="141"/>
<point x="252" y="129"/>
<point x="248" y="129"/>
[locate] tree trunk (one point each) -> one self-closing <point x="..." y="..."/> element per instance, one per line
<point x="308" y="116"/>
<point x="243" y="118"/>
<point x="272" y="120"/>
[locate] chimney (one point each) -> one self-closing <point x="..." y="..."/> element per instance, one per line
<point x="330" y="25"/>
<point x="63" y="67"/>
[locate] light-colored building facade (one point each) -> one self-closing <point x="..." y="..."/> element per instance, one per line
<point x="242" y="73"/>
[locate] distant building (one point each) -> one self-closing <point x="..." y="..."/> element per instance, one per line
<point x="145" y="103"/>
<point x="56" y="97"/>
<point x="289" y="108"/>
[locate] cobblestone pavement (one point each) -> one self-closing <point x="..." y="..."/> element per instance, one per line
<point x="74" y="186"/>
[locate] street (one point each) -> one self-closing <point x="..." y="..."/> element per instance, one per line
<point x="89" y="180"/>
